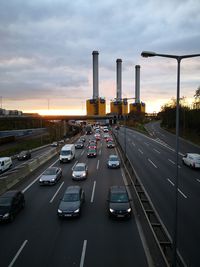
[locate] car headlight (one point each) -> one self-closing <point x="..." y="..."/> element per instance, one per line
<point x="5" y="216"/>
<point x="129" y="210"/>
<point x="53" y="179"/>
<point x="59" y="211"/>
<point x="83" y="174"/>
<point x="40" y="180"/>
<point x="111" y="210"/>
<point x="76" y="211"/>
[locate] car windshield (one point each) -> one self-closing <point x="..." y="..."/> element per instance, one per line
<point x="51" y="171"/>
<point x="113" y="158"/>
<point x="5" y="201"/>
<point x="71" y="197"/>
<point x="119" y="197"/>
<point x="65" y="152"/>
<point x="79" y="168"/>
<point x="92" y="151"/>
<point x="23" y="153"/>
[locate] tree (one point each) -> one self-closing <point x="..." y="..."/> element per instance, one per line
<point x="197" y="94"/>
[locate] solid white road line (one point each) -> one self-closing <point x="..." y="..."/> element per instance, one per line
<point x="26" y="188"/>
<point x="18" y="252"/>
<point x="98" y="164"/>
<point x="83" y="253"/>
<point x="152" y="163"/>
<point x="156" y="150"/>
<point x="56" y="192"/>
<point x="140" y="151"/>
<point x="93" y="190"/>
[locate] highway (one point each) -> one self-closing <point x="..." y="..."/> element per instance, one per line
<point x="154" y="163"/>
<point x="37" y="237"/>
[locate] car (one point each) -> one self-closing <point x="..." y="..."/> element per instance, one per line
<point x="11" y="202"/>
<point x="50" y="176"/>
<point x="71" y="203"/>
<point x="92" y="153"/>
<point x="79" y="144"/>
<point x="97" y="136"/>
<point x="23" y="155"/>
<point x="192" y="160"/>
<point x="106" y="135"/>
<point x="92" y="140"/>
<point x="119" y="205"/>
<point x="113" y="162"/>
<point x="110" y="144"/>
<point x="109" y="138"/>
<point x="92" y="146"/>
<point x="82" y="139"/>
<point x="54" y="144"/>
<point x="79" y="171"/>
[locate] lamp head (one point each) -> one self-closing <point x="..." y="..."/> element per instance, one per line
<point x="148" y="54"/>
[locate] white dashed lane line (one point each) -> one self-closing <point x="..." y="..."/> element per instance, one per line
<point x="156" y="151"/>
<point x="93" y="190"/>
<point x="83" y="253"/>
<point x="152" y="163"/>
<point x="178" y="188"/>
<point x="18" y="253"/>
<point x="198" y="180"/>
<point x="140" y="151"/>
<point x="98" y="164"/>
<point x="174" y="163"/>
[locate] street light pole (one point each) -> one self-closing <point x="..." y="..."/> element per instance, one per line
<point x="178" y="59"/>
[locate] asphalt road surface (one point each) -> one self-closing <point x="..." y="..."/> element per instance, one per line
<point x="37" y="237"/>
<point x="154" y="162"/>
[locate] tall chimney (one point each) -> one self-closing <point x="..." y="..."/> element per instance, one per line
<point x="119" y="79"/>
<point x="137" y="84"/>
<point x="95" y="55"/>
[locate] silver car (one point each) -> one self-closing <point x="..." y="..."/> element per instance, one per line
<point x="80" y="171"/>
<point x="50" y="176"/>
<point x="113" y="162"/>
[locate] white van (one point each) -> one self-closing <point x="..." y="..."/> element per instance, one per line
<point x="5" y="164"/>
<point x="67" y="153"/>
<point x="192" y="160"/>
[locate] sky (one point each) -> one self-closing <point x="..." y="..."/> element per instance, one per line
<point x="46" y="51"/>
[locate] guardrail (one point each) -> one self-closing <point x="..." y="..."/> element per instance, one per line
<point x="14" y="176"/>
<point x="156" y="234"/>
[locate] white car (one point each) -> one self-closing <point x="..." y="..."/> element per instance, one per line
<point x="192" y="160"/>
<point x="80" y="171"/>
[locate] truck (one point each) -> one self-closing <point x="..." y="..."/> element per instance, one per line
<point x="88" y="129"/>
<point x="67" y="153"/>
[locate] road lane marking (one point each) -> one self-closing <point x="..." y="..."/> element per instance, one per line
<point x="178" y="188"/>
<point x="98" y="164"/>
<point x="198" y="180"/>
<point x="93" y="190"/>
<point x="18" y="252"/>
<point x="140" y="151"/>
<point x="171" y="161"/>
<point x="182" y="193"/>
<point x="56" y="193"/>
<point x="26" y="188"/>
<point x="83" y="253"/>
<point x="100" y="152"/>
<point x="152" y="163"/>
<point x="133" y="143"/>
<point x="156" y="150"/>
<point x="146" y="144"/>
<point x="170" y="182"/>
<point x="82" y="152"/>
<point x="74" y="164"/>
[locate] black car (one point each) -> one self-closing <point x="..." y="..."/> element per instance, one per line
<point x="71" y="203"/>
<point x="79" y="144"/>
<point x="11" y="203"/>
<point x="119" y="202"/>
<point x="24" y="155"/>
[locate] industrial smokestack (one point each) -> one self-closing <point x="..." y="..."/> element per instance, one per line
<point x="119" y="78"/>
<point x="95" y="74"/>
<point x="137" y="84"/>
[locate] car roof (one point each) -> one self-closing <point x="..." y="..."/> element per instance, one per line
<point x="118" y="189"/>
<point x="195" y="155"/>
<point x="10" y="193"/>
<point x="113" y="156"/>
<point x="73" y="189"/>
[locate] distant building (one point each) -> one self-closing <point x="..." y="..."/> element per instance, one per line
<point x="5" y="112"/>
